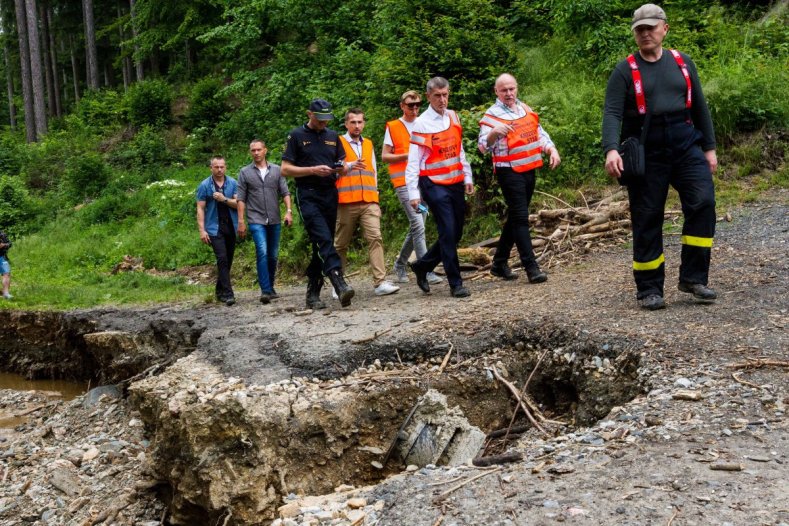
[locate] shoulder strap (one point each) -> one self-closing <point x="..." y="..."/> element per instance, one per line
<point x="641" y="101"/>
<point x="684" y="68"/>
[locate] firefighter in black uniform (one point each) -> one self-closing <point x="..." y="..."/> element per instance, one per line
<point x="313" y="157"/>
<point x="680" y="151"/>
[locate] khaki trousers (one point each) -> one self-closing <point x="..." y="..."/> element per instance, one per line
<point x="369" y="215"/>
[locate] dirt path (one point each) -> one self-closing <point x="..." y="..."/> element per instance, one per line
<point x="648" y="461"/>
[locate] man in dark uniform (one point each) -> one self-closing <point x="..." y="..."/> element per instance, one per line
<point x="662" y="87"/>
<point x="313" y="157"/>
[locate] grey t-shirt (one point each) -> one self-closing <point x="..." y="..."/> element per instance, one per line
<point x="261" y="196"/>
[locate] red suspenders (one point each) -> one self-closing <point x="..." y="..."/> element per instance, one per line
<point x="641" y="101"/>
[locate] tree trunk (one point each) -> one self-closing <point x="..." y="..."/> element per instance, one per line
<point x="137" y="57"/>
<point x="24" y="62"/>
<point x="126" y="65"/>
<point x="92" y="63"/>
<point x="53" y="56"/>
<point x="42" y="15"/>
<point x="36" y="75"/>
<point x="74" y="69"/>
<point x="10" y="87"/>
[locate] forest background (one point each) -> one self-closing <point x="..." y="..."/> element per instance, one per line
<point x="115" y="106"/>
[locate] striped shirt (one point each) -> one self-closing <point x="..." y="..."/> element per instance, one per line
<point x="502" y="111"/>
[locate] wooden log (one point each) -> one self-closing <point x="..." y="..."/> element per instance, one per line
<point x="497" y="459"/>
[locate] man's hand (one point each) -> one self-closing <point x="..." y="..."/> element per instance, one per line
<point x="613" y="164"/>
<point x="415" y="204"/>
<point x="498" y="131"/>
<point x="712" y="160"/>
<point x="322" y="170"/>
<point x="356" y="165"/>
<point x="219" y="196"/>
<point x="554" y="159"/>
<point x="242" y="228"/>
<point x="469" y="188"/>
<point x="288" y="220"/>
<point x="204" y="237"/>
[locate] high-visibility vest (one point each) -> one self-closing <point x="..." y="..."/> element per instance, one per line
<point x="523" y="142"/>
<point x="443" y="165"/>
<point x="641" y="101"/>
<point x="358" y="186"/>
<point x="400" y="141"/>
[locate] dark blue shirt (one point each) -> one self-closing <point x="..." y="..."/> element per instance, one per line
<point x="308" y="147"/>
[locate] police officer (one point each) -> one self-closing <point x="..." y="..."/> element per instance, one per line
<point x="313" y="157"/>
<point x="664" y="85"/>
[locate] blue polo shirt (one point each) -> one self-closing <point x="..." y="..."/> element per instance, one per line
<point x="205" y="192"/>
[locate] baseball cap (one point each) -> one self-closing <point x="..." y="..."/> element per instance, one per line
<point x="321" y="109"/>
<point x="648" y="15"/>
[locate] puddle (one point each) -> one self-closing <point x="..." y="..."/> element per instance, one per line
<point x="13" y="416"/>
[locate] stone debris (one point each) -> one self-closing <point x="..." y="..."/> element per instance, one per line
<point x="74" y="462"/>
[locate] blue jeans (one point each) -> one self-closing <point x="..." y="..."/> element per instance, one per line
<point x="266" y="238"/>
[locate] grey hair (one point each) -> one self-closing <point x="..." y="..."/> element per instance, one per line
<point x="436" y="83"/>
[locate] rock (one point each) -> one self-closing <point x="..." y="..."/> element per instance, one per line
<point x="550" y="504"/>
<point x="356" y="503"/>
<point x="683" y="382"/>
<point x="90" y="454"/>
<point x="291" y="509"/>
<point x="93" y="396"/>
<point x="62" y="477"/>
<point x="356" y="516"/>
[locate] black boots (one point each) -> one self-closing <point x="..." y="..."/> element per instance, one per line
<point x="344" y="291"/>
<point x="314" y="293"/>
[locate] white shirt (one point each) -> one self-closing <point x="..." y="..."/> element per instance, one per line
<point x="263" y="172"/>
<point x="502" y="111"/>
<point x="356" y="145"/>
<point x="429" y="122"/>
<point x="408" y="126"/>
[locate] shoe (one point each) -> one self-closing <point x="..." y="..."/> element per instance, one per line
<point x="7" y="296"/>
<point x="400" y="273"/>
<point x="344" y="291"/>
<point x="265" y="298"/>
<point x="230" y="301"/>
<point x="460" y="292"/>
<point x="386" y="288"/>
<point x="314" y="301"/>
<point x="504" y="272"/>
<point x="274" y="294"/>
<point x="334" y="295"/>
<point x="536" y="275"/>
<point x="652" y="302"/>
<point x="701" y="293"/>
<point x="421" y="278"/>
<point x="434" y="279"/>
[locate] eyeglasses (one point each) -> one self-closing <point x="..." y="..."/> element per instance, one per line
<point x="413" y="105"/>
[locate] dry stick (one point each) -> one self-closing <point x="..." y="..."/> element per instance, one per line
<point x="327" y="333"/>
<point x="445" y="361"/>
<point x="676" y="512"/>
<point x="586" y="203"/>
<point x="744" y="382"/>
<point x="523" y="390"/>
<point x="439" y="520"/>
<point x="554" y="197"/>
<point x="458" y="486"/>
<point x="516" y="393"/>
<point x="497" y="459"/>
<point x="758" y="363"/>
<point x="371" y="338"/>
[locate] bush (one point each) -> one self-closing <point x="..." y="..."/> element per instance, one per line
<point x="99" y="109"/>
<point x="85" y="177"/>
<point x="148" y="102"/>
<point x="145" y="152"/>
<point x="207" y="105"/>
<point x="17" y="207"/>
<point x="11" y="155"/>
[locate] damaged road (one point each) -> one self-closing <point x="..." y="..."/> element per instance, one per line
<point x="672" y="415"/>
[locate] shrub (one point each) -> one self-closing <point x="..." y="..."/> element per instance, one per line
<point x="85" y="177"/>
<point x="17" y="207"/>
<point x="207" y="105"/>
<point x="99" y="109"/>
<point x="145" y="152"/>
<point x="148" y="102"/>
<point x="11" y="155"/>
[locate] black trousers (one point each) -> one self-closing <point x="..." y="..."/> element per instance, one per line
<point x="448" y="208"/>
<point x="673" y="157"/>
<point x="517" y="189"/>
<point x="318" y="210"/>
<point x="224" y="245"/>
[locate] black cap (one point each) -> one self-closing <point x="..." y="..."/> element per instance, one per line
<point x="321" y="109"/>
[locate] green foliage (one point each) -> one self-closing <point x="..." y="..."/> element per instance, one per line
<point x="146" y="152"/>
<point x="85" y="177"/>
<point x="99" y="109"/>
<point x="43" y="167"/>
<point x="11" y="155"/>
<point x="18" y="210"/>
<point x="148" y="102"/>
<point x="207" y="104"/>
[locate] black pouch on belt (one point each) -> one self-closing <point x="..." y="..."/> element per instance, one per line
<point x="633" y="156"/>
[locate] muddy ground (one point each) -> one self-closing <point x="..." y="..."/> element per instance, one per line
<point x="673" y="417"/>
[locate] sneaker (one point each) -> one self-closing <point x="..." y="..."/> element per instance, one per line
<point x="701" y="293"/>
<point x="460" y="292"/>
<point x="652" y="302"/>
<point x="265" y="298"/>
<point x="7" y="296"/>
<point x="421" y="278"/>
<point x="386" y="288"/>
<point x="504" y="272"/>
<point x="434" y="279"/>
<point x="400" y="274"/>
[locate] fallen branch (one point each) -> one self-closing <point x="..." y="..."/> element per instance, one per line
<point x="451" y="490"/>
<point x="482" y="462"/>
<point x="744" y="382"/>
<point x="758" y="363"/>
<point x="445" y="361"/>
<point x="375" y="335"/>
<point x="327" y="333"/>
<point x="521" y="403"/>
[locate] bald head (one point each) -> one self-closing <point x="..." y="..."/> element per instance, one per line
<point x="506" y="89"/>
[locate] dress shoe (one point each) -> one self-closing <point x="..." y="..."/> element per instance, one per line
<point x="701" y="293"/>
<point x="504" y="272"/>
<point x="652" y="302"/>
<point x="421" y="277"/>
<point x="460" y="292"/>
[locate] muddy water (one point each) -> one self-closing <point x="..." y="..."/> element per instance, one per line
<point x="11" y="417"/>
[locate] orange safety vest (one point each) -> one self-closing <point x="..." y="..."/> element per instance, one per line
<point x="523" y="142"/>
<point x="400" y="140"/>
<point x="443" y="165"/>
<point x="358" y="186"/>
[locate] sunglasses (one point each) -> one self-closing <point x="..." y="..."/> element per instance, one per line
<point x="413" y="105"/>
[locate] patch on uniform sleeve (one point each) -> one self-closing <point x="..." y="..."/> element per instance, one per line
<point x="330" y="143"/>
